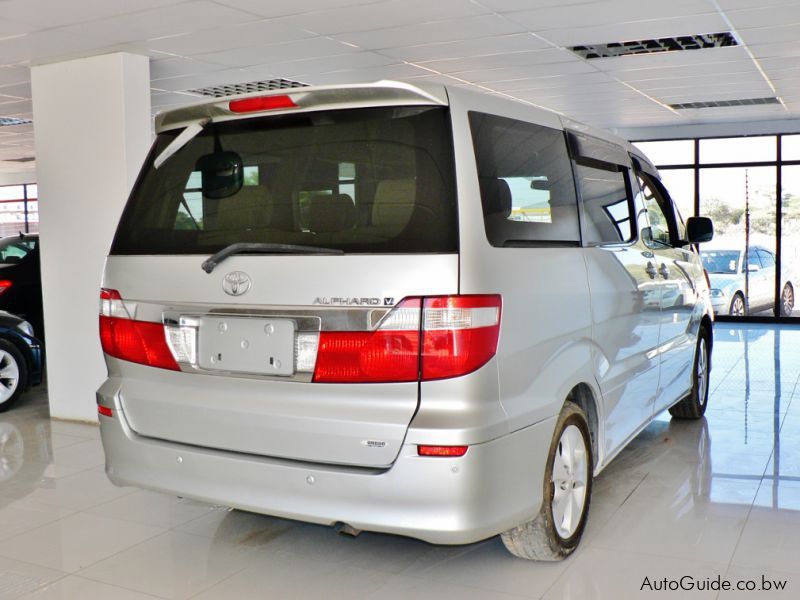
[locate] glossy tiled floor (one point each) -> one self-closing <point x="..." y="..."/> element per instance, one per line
<point x="716" y="497"/>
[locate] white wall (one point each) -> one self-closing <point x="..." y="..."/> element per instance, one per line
<point x="92" y="132"/>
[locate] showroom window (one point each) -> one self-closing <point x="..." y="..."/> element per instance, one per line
<point x="19" y="209"/>
<point x="750" y="188"/>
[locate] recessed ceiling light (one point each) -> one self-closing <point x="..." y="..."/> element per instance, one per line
<point x="725" y="103"/>
<point x="699" y="41"/>
<point x="218" y="91"/>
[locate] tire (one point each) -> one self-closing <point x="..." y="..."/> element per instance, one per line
<point x="694" y="405"/>
<point x="13" y="374"/>
<point x="787" y="300"/>
<point x="542" y="538"/>
<point x="738" y="307"/>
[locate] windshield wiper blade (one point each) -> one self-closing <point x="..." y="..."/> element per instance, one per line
<point x="263" y="248"/>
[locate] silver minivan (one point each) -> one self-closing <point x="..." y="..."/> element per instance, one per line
<point x="407" y="309"/>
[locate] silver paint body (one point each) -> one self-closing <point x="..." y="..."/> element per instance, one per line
<point x="288" y="447"/>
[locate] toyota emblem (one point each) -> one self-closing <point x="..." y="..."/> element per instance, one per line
<point x="236" y="283"/>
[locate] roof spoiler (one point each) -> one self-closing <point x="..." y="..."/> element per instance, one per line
<point x="381" y="93"/>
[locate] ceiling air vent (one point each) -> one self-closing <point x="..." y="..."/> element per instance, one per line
<point x="699" y="41"/>
<point x="218" y="91"/>
<point x="9" y="121"/>
<point x="725" y="103"/>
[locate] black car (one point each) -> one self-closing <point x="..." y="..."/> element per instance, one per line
<point x="20" y="359"/>
<point x="21" y="279"/>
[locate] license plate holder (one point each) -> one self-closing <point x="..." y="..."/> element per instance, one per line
<point x="247" y="345"/>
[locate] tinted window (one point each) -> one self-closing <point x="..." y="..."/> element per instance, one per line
<point x="526" y="184"/>
<point x="366" y="180"/>
<point x="606" y="205"/>
<point x="14" y="249"/>
<point x="721" y="261"/>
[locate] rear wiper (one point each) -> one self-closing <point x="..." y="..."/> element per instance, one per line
<point x="262" y="248"/>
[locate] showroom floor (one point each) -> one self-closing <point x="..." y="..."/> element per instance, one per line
<point x="716" y="497"/>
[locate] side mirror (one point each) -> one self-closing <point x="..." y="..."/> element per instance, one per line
<point x="222" y="174"/>
<point x="699" y="230"/>
<point x="751" y="268"/>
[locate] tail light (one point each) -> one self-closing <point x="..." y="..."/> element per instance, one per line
<point x="5" y="285"/>
<point x="420" y="339"/>
<point x="123" y="337"/>
<point x="261" y="103"/>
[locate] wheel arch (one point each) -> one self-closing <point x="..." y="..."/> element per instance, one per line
<point x="583" y="395"/>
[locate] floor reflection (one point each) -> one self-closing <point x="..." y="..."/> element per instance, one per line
<point x="717" y="496"/>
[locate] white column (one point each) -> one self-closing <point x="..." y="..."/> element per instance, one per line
<point x="92" y="131"/>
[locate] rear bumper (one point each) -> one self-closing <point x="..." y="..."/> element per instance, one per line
<point x="495" y="486"/>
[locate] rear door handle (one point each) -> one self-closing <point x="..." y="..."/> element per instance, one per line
<point x="664" y="270"/>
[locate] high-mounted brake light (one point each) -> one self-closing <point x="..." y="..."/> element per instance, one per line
<point x="420" y="339"/>
<point x="447" y="451"/>
<point x="5" y="284"/>
<point x="123" y="337"/>
<point x="260" y="103"/>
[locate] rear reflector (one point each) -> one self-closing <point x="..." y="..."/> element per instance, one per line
<point x="5" y="284"/>
<point x="122" y="337"/>
<point x="420" y="339"/>
<point x="451" y="451"/>
<point x="261" y="103"/>
<point x="105" y="411"/>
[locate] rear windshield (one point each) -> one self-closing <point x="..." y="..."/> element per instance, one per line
<point x="377" y="180"/>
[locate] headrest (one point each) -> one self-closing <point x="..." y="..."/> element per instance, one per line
<point x="394" y="203"/>
<point x="496" y="196"/>
<point x="328" y="213"/>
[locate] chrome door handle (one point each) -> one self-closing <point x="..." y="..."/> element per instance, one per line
<point x="650" y="269"/>
<point x="664" y="270"/>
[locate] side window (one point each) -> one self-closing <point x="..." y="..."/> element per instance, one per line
<point x="606" y="205"/>
<point x="752" y="258"/>
<point x="660" y="212"/>
<point x="526" y="184"/>
<point x="767" y="258"/>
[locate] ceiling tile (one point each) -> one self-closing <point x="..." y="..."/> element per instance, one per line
<point x="518" y="5"/>
<point x="43" y="45"/>
<point x="168" y="20"/>
<point x="384" y="15"/>
<point x="244" y="35"/>
<point x="516" y="73"/>
<point x="10" y="75"/>
<point x="281" y="8"/>
<point x="641" y="30"/>
<point x="425" y="33"/>
<point x="662" y="60"/>
<point x="480" y="46"/>
<point x="367" y="75"/>
<point x="594" y="14"/>
<point x="46" y="14"/>
<point x="764" y="16"/>
<point x="178" y="67"/>
<point x="275" y="53"/>
<point x="771" y="35"/>
<point x="495" y="61"/>
<point x="302" y="69"/>
<point x="19" y="90"/>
